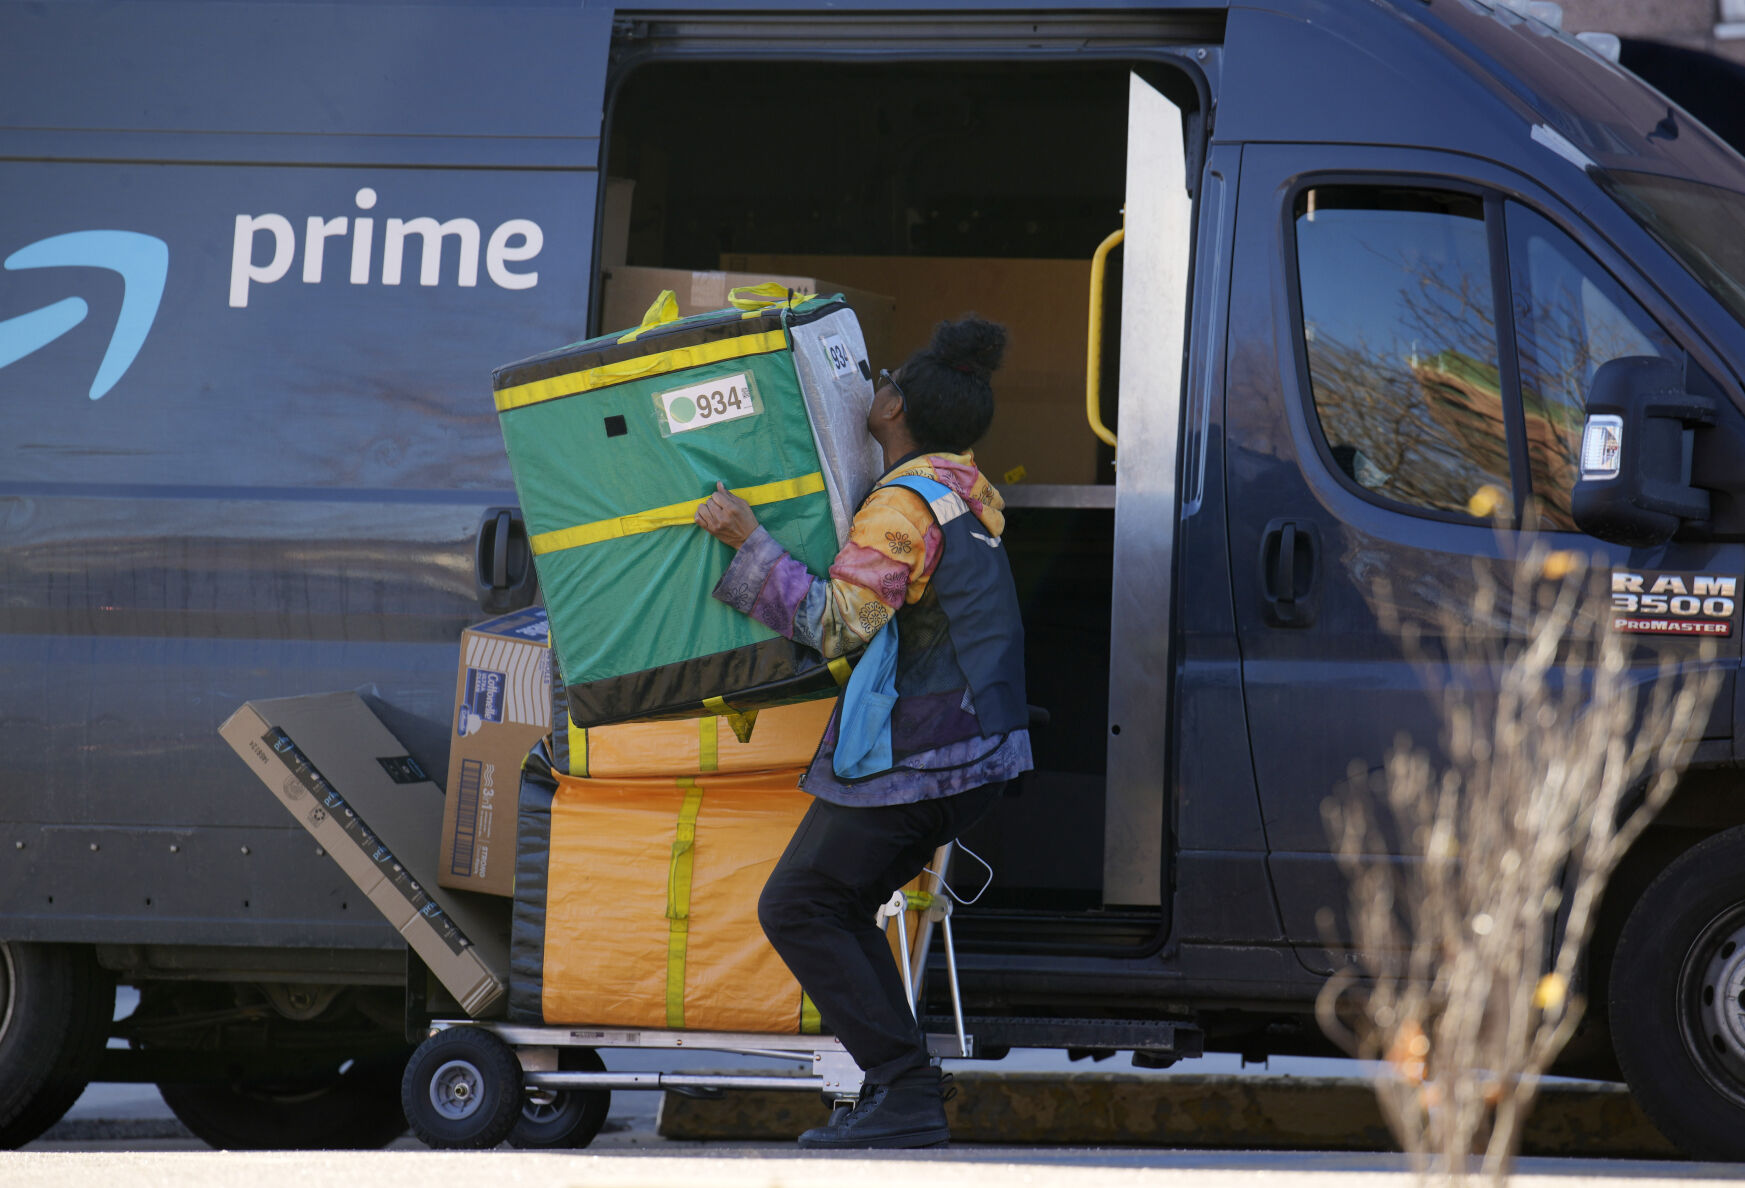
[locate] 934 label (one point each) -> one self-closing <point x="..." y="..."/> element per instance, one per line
<point x="837" y="352"/>
<point x="725" y="399"/>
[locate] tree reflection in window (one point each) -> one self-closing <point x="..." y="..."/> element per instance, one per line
<point x="1400" y="327"/>
<point x="1570" y="317"/>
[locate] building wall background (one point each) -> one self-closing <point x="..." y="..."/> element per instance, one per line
<point x="1714" y="25"/>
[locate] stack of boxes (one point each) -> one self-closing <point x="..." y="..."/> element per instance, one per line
<point x="644" y="844"/>
<point x="644" y="847"/>
<point x="633" y="851"/>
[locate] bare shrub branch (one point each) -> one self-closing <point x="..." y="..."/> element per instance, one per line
<point x="1474" y="881"/>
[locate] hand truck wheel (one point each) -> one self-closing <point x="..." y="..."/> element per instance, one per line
<point x="558" y="1118"/>
<point x="462" y="1089"/>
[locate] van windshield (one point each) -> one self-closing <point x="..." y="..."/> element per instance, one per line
<point x="1703" y="225"/>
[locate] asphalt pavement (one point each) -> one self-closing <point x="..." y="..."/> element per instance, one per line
<point x="126" y="1135"/>
<point x="135" y="1114"/>
<point x="720" y="1165"/>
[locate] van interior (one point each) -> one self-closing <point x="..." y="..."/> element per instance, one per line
<point x="949" y="188"/>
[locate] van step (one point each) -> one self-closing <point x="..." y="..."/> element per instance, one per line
<point x="993" y="1032"/>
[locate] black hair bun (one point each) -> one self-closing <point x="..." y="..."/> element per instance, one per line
<point x="970" y="344"/>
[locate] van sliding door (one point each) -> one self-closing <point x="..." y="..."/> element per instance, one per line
<point x="1159" y="219"/>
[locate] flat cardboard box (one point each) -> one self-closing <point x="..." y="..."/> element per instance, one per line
<point x="375" y="812"/>
<point x="502" y="707"/>
<point x="1039" y="420"/>
<point x="631" y="289"/>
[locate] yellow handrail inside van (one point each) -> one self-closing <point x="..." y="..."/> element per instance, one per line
<point x="1094" y="341"/>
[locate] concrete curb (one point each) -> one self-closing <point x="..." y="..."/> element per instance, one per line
<point x="1128" y="1109"/>
<point x="100" y="1130"/>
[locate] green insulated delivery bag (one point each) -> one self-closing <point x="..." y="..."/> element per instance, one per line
<point x="615" y="441"/>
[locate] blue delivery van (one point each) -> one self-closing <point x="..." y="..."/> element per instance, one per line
<point x="257" y="262"/>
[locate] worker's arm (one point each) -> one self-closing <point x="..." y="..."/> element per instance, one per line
<point x="891" y="552"/>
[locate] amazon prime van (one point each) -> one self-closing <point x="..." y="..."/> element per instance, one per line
<point x="257" y="262"/>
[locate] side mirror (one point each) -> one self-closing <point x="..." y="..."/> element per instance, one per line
<point x="1636" y="448"/>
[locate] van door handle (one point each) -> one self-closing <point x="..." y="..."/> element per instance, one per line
<point x="1290" y="552"/>
<point x="503" y="562"/>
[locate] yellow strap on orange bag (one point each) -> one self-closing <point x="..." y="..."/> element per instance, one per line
<point x="678" y="901"/>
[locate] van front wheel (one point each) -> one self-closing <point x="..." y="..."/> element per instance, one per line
<point x="55" y="1008"/>
<point x="355" y="1109"/>
<point x="1678" y="999"/>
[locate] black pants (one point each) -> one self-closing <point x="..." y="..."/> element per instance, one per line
<point x="818" y="907"/>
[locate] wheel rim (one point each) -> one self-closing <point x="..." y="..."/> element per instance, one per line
<point x="457" y="1090"/>
<point x="1712" y="997"/>
<point x="545" y="1108"/>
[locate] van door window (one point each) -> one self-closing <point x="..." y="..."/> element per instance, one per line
<point x="1399" y="322"/>
<point x="1570" y="317"/>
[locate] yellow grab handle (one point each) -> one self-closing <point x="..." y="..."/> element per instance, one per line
<point x="1094" y="344"/>
<point x="750" y="297"/>
<point x="665" y="309"/>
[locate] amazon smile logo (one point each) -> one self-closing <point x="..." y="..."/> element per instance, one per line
<point x="142" y="261"/>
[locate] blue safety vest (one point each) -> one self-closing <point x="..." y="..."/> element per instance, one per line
<point x="947" y="668"/>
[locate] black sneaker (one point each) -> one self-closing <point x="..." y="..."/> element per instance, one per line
<point x="907" y="1113"/>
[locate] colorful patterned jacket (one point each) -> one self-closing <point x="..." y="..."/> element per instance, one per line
<point x="892" y="552"/>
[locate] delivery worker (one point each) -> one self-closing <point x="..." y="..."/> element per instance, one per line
<point x="931" y="726"/>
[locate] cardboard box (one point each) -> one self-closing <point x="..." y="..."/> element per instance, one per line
<point x="502" y="706"/>
<point x="1039" y="422"/>
<point x="631" y="290"/>
<point x="376" y="812"/>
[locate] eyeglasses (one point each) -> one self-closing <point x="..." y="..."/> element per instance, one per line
<point x="888" y="378"/>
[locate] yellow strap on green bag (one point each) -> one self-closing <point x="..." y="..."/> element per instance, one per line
<point x="642" y="367"/>
<point x="665" y="309"/>
<point x="673" y="515"/>
<point x="755" y="298"/>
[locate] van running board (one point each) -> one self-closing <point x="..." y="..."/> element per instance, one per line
<point x="1161" y="1037"/>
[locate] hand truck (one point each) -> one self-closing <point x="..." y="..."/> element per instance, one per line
<point x="473" y="1084"/>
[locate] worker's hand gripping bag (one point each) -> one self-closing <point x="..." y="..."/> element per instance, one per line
<point x="615" y="441"/>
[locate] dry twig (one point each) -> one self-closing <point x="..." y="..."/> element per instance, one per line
<point x="1468" y="951"/>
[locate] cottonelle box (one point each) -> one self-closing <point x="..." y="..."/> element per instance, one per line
<point x="502" y="707"/>
<point x="375" y="812"/>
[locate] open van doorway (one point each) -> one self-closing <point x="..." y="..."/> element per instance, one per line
<point x="949" y="187"/>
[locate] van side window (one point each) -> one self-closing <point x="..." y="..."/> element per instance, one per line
<point x="1400" y="328"/>
<point x="1570" y="317"/>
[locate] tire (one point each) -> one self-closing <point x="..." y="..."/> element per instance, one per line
<point x="1677" y="999"/>
<point x="357" y="1109"/>
<point x="462" y="1090"/>
<point x="56" y="1005"/>
<point x="565" y="1117"/>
